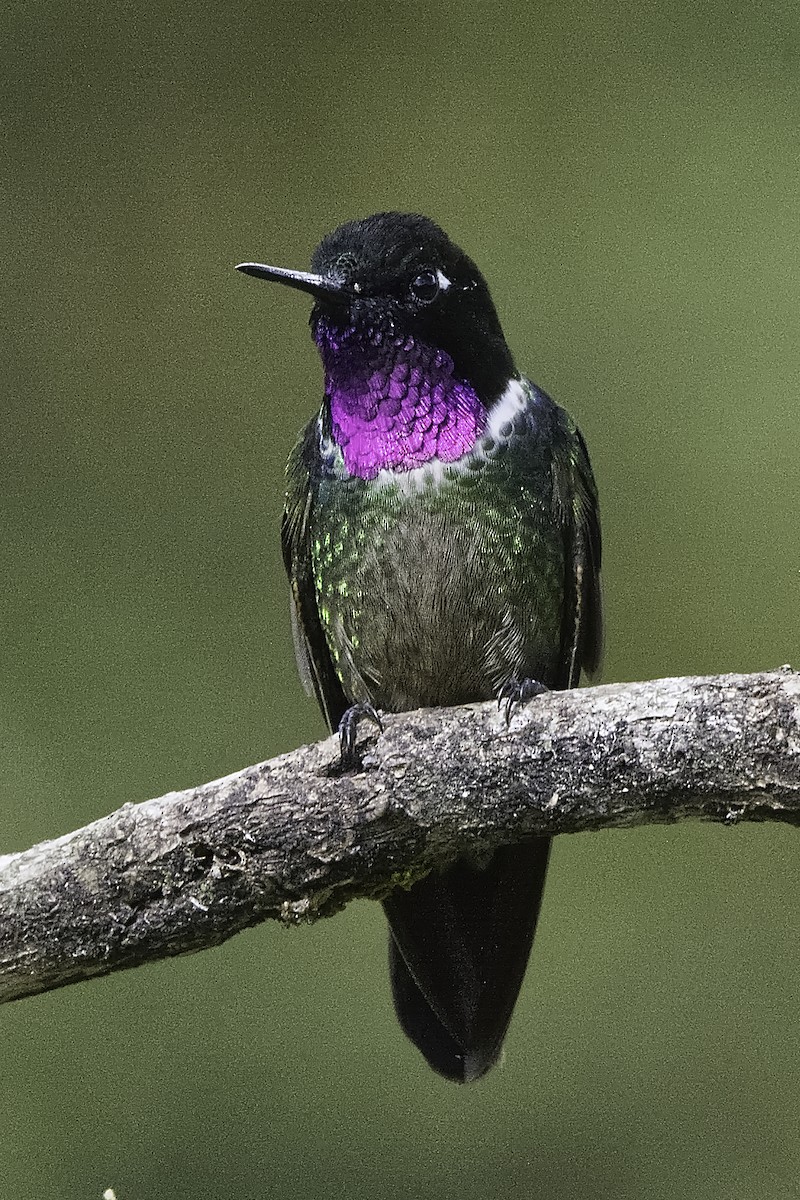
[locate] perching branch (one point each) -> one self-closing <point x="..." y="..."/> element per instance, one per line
<point x="295" y="839"/>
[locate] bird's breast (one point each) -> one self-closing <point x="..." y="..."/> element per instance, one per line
<point x="436" y="590"/>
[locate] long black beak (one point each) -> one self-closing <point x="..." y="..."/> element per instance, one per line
<point x="304" y="281"/>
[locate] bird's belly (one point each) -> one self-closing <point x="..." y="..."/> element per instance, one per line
<point x="431" y="604"/>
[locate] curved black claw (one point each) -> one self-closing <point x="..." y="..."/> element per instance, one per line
<point x="517" y="691"/>
<point x="348" y="731"/>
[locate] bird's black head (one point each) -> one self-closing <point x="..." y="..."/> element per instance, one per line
<point x="400" y="272"/>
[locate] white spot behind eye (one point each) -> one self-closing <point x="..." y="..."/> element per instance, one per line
<point x="444" y="282"/>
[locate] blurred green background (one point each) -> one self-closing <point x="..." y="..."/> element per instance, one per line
<point x="628" y="178"/>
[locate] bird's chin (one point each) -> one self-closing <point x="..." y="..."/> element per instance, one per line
<point x="363" y="322"/>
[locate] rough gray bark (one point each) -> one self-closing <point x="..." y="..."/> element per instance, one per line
<point x="296" y="839"/>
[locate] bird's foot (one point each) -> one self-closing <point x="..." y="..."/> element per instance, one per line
<point x="517" y="691"/>
<point x="348" y="731"/>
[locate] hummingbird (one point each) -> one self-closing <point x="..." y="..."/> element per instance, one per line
<point x="441" y="537"/>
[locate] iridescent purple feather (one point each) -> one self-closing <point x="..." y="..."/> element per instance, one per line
<point x="395" y="402"/>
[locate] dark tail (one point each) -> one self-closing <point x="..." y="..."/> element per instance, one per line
<point x="458" y="949"/>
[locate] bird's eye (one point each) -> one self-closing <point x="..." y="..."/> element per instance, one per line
<point x="425" y="287"/>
